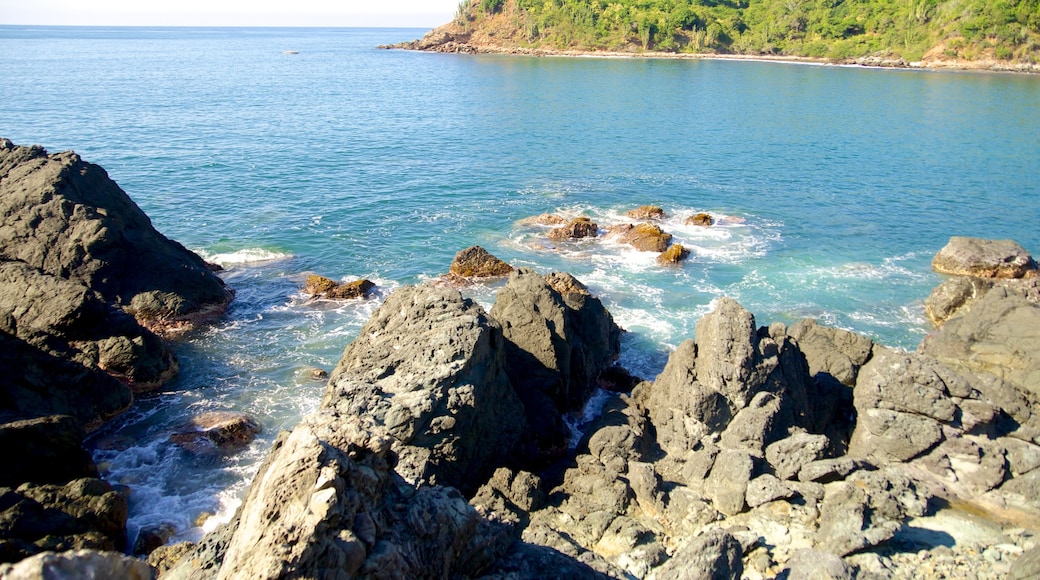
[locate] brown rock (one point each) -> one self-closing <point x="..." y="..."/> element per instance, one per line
<point x="646" y="212"/>
<point x="318" y="285"/>
<point x="217" y="432"/>
<point x="322" y="287"/>
<point x="701" y="219"/>
<point x="565" y="283"/>
<point x="545" y="219"/>
<point x="581" y="227"/>
<point x="644" y="237"/>
<point x="476" y="262"/>
<point x="675" y="254"/>
<point x="984" y="259"/>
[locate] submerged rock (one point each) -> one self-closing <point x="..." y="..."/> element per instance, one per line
<point x="700" y="219"/>
<point x="580" y="227"/>
<point x="322" y="287"/>
<point x="645" y="237"/>
<point x="675" y="254"/>
<point x="545" y="219"/>
<point x="217" y="432"/>
<point x="646" y="212"/>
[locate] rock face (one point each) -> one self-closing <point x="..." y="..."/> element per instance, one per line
<point x="556" y="346"/>
<point x="66" y="218"/>
<point x="476" y="262"/>
<point x="984" y="259"/>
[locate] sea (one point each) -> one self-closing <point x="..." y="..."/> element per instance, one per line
<point x="280" y="152"/>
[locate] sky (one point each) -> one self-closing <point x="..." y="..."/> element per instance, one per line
<point x="382" y="13"/>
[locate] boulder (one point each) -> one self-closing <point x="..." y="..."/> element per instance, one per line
<point x="700" y="219"/>
<point x="644" y="237"/>
<point x="322" y="287"/>
<point x="675" y="254"/>
<point x="789" y="455"/>
<point x="646" y="212"/>
<point x="429" y="367"/>
<point x="68" y="219"/>
<point x="556" y="347"/>
<point x="580" y="227"/>
<point x="217" y="432"/>
<point x="78" y="564"/>
<point x="82" y="514"/>
<point x="43" y="450"/>
<point x="715" y="555"/>
<point x="836" y="352"/>
<point x="999" y="335"/>
<point x="545" y="219"/>
<point x="727" y="483"/>
<point x="984" y="259"/>
<point x="476" y="262"/>
<point x="808" y="564"/>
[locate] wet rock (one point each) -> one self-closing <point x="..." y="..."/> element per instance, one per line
<point x="675" y="254"/>
<point x="429" y="367"/>
<point x="545" y="219"/>
<point x="65" y="217"/>
<point x="984" y="259"/>
<point x="556" y="347"/>
<point x="82" y="514"/>
<point x="43" y="450"/>
<point x="645" y="237"/>
<point x="78" y="564"/>
<point x="476" y="262"/>
<point x="220" y="432"/>
<point x="646" y="212"/>
<point x="617" y="379"/>
<point x="322" y="287"/>
<point x="580" y="227"/>
<point x="151" y="538"/>
<point x="700" y="219"/>
<point x="565" y="283"/>
<point x="715" y="555"/>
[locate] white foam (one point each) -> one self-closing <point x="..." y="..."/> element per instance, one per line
<point x="245" y="256"/>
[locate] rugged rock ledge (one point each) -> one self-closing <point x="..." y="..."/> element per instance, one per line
<point x="85" y="284"/>
<point x="803" y="451"/>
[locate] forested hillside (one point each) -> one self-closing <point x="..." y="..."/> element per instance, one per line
<point x="1002" y="30"/>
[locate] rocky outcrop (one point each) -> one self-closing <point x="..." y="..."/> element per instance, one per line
<point x="580" y="227"/>
<point x="217" y="433"/>
<point x="645" y="237"/>
<point x="78" y="564"/>
<point x="476" y="262"/>
<point x="556" y="346"/>
<point x="67" y="218"/>
<point x="646" y="212"/>
<point x="700" y="219"/>
<point x="675" y="254"/>
<point x="321" y="287"/>
<point x="984" y="259"/>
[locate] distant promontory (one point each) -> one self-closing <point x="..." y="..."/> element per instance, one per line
<point x="956" y="34"/>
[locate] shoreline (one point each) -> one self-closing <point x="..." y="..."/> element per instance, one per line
<point x="983" y="66"/>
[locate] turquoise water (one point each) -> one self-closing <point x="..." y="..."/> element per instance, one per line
<point x="834" y="187"/>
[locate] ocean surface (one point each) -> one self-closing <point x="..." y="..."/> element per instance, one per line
<point x="282" y="152"/>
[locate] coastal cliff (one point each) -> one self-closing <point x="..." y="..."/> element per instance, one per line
<point x="936" y="35"/>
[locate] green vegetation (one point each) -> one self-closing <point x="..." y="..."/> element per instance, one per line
<point x="837" y="29"/>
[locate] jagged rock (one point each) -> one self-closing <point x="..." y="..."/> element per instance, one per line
<point x="163" y="558"/>
<point x="646" y="212"/>
<point x="66" y="218"/>
<point x="675" y="254"/>
<point x="766" y="488"/>
<point x="515" y="493"/>
<point x="787" y="456"/>
<point x="952" y="295"/>
<point x="906" y="383"/>
<point x="700" y="219"/>
<point x="580" y="227"/>
<point x="715" y="555"/>
<point x="326" y="501"/>
<point x="817" y="565"/>
<point x="78" y="564"/>
<point x="81" y="514"/>
<point x="565" y="283"/>
<point x="150" y="538"/>
<point x="322" y="287"/>
<point x="984" y="259"/>
<point x="217" y="432"/>
<point x="43" y="450"/>
<point x="645" y="237"/>
<point x="617" y="379"/>
<point x="754" y="425"/>
<point x="828" y="470"/>
<point x="834" y="351"/>
<point x="545" y="219"/>
<point x="998" y="335"/>
<point x="974" y="464"/>
<point x="476" y="262"/>
<point x="556" y="347"/>
<point x="727" y="483"/>
<point x="429" y="366"/>
<point x="867" y="509"/>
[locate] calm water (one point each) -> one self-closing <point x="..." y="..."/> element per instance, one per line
<point x="833" y="186"/>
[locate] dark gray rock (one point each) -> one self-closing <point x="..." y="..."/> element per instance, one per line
<point x="556" y="347"/>
<point x="727" y="483"/>
<point x="67" y="218"/>
<point x="716" y="555"/>
<point x="834" y="351"/>
<point x="766" y="488"/>
<point x="43" y="450"/>
<point x="984" y="259"/>
<point x="430" y="368"/>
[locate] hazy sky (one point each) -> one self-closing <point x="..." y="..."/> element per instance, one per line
<point x="418" y="13"/>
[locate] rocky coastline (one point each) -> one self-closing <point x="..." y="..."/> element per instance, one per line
<point x="441" y="447"/>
